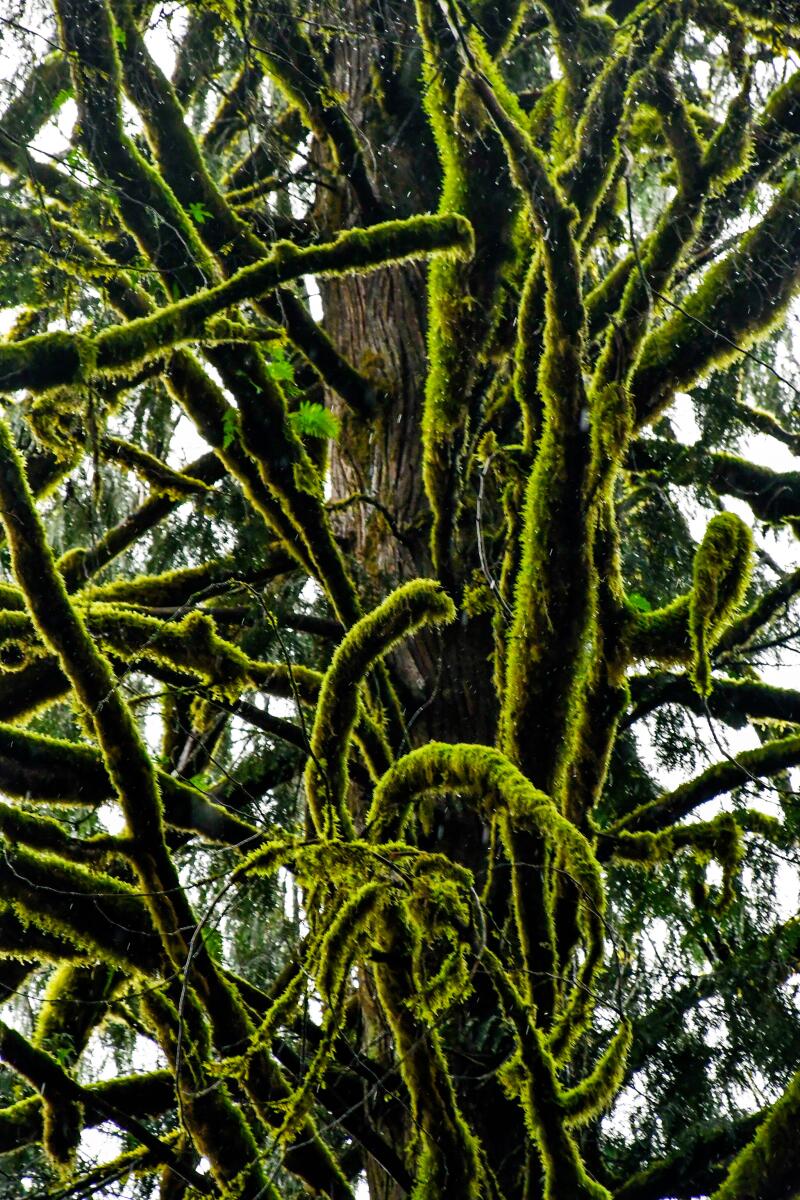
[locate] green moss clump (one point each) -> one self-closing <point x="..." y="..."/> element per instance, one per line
<point x="721" y="574"/>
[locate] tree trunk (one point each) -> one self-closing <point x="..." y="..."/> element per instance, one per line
<point x="378" y="322"/>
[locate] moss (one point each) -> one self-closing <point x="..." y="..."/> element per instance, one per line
<point x="729" y="151"/>
<point x="52" y="359"/>
<point x="113" y="927"/>
<point x="768" y="1165"/>
<point x="530" y="1076"/>
<point x="501" y="791"/>
<point x="720" y="839"/>
<point x="162" y="478"/>
<point x="462" y="296"/>
<point x="681" y="349"/>
<point x="720" y="577"/>
<point x="597" y="1091"/>
<point x="407" y="609"/>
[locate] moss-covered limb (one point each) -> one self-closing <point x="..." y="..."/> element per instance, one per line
<point x="720" y="577"/>
<point x="448" y="1157"/>
<point x="597" y="1090"/>
<point x="46" y="833"/>
<point x="176" y="484"/>
<point x="190" y="643"/>
<point x="605" y="297"/>
<point x="206" y="405"/>
<point x="773" y="496"/>
<point x="735" y="701"/>
<point x="48" y="1077"/>
<point x="775" y="133"/>
<point x="591" y="166"/>
<point x="761" y="763"/>
<point x="742" y="630"/>
<point x="188" y="586"/>
<point x="701" y="169"/>
<point x="148" y="209"/>
<point x="753" y="417"/>
<point x="658" y="260"/>
<point x="530" y="1076"/>
<point x="281" y="44"/>
<point x="411" y="607"/>
<point x="89" y="673"/>
<point x="740" y="299"/>
<point x="75" y="1003"/>
<point x="769" y="1166"/>
<point x="702" y="1166"/>
<point x="139" y="1096"/>
<point x="20" y="941"/>
<point x="58" y="772"/>
<point x="720" y="839"/>
<point x="678" y="124"/>
<point x="768" y="15"/>
<point x="553" y="613"/>
<point x="31" y="689"/>
<point x="463" y="297"/>
<point x="177" y="153"/>
<point x="57" y="359"/>
<point x="501" y="791"/>
<point x="105" y="919"/>
<point x="528" y="352"/>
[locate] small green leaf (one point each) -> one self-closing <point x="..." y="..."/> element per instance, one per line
<point x="230" y="427"/>
<point x="198" y="211"/>
<point x="640" y="602"/>
<point x="120" y="37"/>
<point x="61" y="99"/>
<point x="311" y="419"/>
<point x="280" y="370"/>
<point x="213" y="942"/>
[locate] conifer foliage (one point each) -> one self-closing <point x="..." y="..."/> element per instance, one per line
<point x="336" y="852"/>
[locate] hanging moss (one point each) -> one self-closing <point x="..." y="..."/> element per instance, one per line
<point x="589" y="1098"/>
<point x="720" y="838"/>
<point x="720" y="578"/>
<point x="502" y="791"/>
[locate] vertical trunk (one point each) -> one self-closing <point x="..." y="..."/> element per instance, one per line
<point x="379" y="322"/>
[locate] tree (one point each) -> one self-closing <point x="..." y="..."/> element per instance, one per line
<point x="332" y="821"/>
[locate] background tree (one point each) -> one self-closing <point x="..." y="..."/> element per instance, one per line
<point x="335" y="842"/>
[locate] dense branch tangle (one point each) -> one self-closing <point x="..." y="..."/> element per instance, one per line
<point x="449" y="789"/>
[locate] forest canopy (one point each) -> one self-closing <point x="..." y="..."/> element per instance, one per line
<point x="398" y="599"/>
